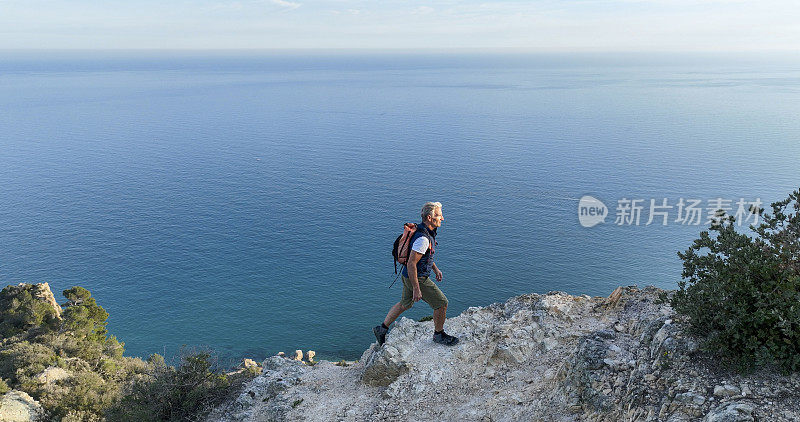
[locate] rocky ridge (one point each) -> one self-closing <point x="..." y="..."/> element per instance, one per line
<point x="551" y="357"/>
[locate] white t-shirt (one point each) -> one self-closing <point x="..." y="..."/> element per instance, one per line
<point x="421" y="245"/>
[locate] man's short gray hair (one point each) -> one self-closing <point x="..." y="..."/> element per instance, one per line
<point x="430" y="208"/>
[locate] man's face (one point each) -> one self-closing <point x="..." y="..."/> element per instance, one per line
<point x="436" y="219"/>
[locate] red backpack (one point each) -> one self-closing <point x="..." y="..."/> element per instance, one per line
<point x="402" y="245"/>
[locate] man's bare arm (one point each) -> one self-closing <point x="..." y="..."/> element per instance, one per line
<point x="437" y="272"/>
<point x="411" y="267"/>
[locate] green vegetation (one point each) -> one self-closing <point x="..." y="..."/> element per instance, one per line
<point x="426" y="318"/>
<point x="77" y="371"/>
<point x="20" y="311"/>
<point x="83" y="317"/>
<point x="68" y="363"/>
<point x="742" y="293"/>
<point x="176" y="394"/>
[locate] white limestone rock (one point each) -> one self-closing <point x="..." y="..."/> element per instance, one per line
<point x="53" y="374"/>
<point x="18" y="406"/>
<point x="730" y="412"/>
<point x="549" y="357"/>
<point x="726" y="391"/>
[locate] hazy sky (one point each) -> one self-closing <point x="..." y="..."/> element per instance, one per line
<point x="541" y="25"/>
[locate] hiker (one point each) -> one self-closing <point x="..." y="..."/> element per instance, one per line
<point x="416" y="281"/>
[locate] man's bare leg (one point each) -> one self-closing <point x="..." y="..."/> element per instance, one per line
<point x="439" y="316"/>
<point x="395" y="312"/>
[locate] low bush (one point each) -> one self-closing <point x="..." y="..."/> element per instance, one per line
<point x="741" y="292"/>
<point x="22" y="361"/>
<point x="173" y="394"/>
<point x="83" y="396"/>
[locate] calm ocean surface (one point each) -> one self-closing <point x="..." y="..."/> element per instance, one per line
<point x="248" y="202"/>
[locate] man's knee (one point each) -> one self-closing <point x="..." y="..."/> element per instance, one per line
<point x="437" y="300"/>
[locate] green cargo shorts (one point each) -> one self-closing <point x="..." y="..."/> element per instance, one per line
<point x="430" y="293"/>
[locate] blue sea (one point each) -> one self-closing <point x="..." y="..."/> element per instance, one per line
<point x="247" y="201"/>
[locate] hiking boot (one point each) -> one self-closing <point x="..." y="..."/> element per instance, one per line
<point x="380" y="334"/>
<point x="445" y="339"/>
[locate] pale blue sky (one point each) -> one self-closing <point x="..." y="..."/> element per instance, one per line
<point x="545" y="25"/>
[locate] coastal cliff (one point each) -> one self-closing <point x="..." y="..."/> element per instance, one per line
<point x="553" y="357"/>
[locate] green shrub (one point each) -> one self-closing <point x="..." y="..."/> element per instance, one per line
<point x="21" y="311"/>
<point x="742" y="293"/>
<point x="156" y="360"/>
<point x="83" y="396"/>
<point x="173" y="394"/>
<point x="4" y="388"/>
<point x="22" y="361"/>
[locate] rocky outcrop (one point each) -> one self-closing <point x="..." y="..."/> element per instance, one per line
<point x="249" y="363"/>
<point x="53" y="374"/>
<point x="278" y="375"/>
<point x="42" y="292"/>
<point x="18" y="406"/>
<point x="536" y="357"/>
<point x="39" y="291"/>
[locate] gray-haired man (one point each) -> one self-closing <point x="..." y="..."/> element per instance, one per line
<point x="416" y="281"/>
